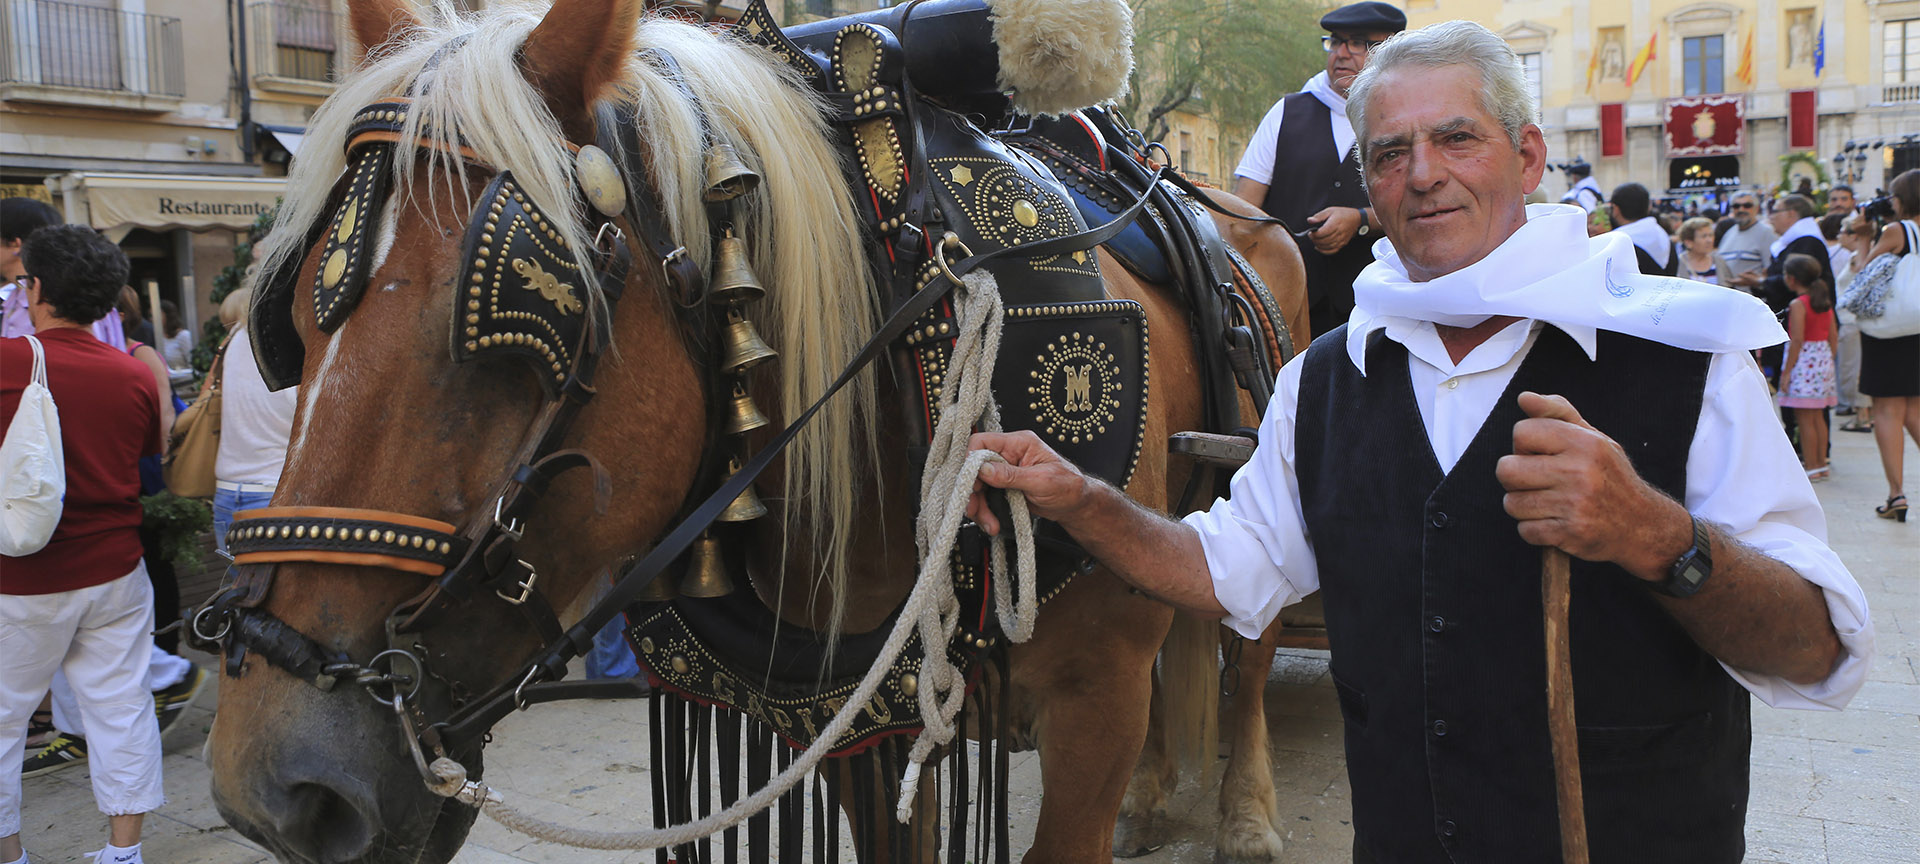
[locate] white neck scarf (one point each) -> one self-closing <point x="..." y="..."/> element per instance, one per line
<point x="1806" y="227"/>
<point x="1551" y="271"/>
<point x="1647" y="234"/>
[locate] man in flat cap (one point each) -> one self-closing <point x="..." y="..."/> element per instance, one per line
<point x="1300" y="165"/>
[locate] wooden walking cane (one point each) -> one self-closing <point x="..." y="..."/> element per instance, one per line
<point x="1556" y="577"/>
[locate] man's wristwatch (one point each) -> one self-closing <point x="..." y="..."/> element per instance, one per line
<point x="1691" y="569"/>
<point x="1363" y="224"/>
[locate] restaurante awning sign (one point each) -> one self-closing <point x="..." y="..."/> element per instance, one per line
<point x="163" y="202"/>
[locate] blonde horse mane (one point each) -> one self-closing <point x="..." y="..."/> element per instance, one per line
<point x="800" y="227"/>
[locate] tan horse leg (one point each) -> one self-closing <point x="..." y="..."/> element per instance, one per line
<point x="1143" y="826"/>
<point x="1249" y="818"/>
<point x="1087" y="673"/>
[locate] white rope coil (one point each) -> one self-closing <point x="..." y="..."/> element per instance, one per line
<point x="932" y="610"/>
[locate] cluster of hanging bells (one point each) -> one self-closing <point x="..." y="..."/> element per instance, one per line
<point x="733" y="287"/>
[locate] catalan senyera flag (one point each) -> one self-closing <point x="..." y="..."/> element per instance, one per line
<point x="1745" y="70"/>
<point x="1641" y="59"/>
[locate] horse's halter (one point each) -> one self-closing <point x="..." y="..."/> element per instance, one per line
<point x="520" y="293"/>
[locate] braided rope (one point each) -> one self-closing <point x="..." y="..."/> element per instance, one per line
<point x="931" y="609"/>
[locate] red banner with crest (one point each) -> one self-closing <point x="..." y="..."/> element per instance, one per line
<point x="1706" y="126"/>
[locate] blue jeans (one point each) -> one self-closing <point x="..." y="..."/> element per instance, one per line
<point x="225" y="503"/>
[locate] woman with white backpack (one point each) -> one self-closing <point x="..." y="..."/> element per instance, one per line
<point x="1885" y="300"/>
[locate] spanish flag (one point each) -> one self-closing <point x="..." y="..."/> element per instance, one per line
<point x="1641" y="59"/>
<point x="1745" y="70"/>
<point x="1593" y="65"/>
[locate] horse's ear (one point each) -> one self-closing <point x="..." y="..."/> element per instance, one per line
<point x="575" y="54"/>
<point x="379" y="23"/>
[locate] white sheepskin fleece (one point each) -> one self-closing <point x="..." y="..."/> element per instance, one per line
<point x="1059" y="55"/>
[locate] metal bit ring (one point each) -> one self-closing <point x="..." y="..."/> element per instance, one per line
<point x="940" y="255"/>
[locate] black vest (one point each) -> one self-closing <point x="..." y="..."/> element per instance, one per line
<point x="1433" y="610"/>
<point x="1308" y="176"/>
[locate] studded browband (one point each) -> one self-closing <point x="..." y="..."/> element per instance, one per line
<point x="344" y="535"/>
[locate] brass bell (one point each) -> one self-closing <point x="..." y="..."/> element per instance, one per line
<point x="745" y="416"/>
<point x="744" y="347"/>
<point x="707" y="570"/>
<point x="746" y="507"/>
<point x="727" y="177"/>
<point x="733" y="279"/>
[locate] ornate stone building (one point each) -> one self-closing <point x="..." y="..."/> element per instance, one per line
<point x="1624" y="85"/>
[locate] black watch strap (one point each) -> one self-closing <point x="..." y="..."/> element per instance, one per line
<point x="1691" y="569"/>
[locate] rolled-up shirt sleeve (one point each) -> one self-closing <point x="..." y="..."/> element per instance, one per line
<point x="1256" y="540"/>
<point x="1742" y="474"/>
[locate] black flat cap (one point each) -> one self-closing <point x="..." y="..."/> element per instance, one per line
<point x="1368" y="17"/>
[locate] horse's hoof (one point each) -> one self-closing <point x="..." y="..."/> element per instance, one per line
<point x="1138" y="834"/>
<point x="1248" y="846"/>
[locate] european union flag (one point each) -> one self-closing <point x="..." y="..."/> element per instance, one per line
<point x="1820" y="50"/>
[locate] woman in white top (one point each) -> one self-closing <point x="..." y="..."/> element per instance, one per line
<point x="255" y="425"/>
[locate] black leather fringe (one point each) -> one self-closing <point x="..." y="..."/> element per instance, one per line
<point x="706" y="758"/>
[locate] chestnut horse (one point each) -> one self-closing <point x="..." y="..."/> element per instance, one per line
<point x="388" y="421"/>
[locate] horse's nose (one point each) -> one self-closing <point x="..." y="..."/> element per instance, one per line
<point x="328" y="822"/>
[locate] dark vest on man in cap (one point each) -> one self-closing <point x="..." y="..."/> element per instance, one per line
<point x="1433" y="610"/>
<point x="1309" y="176"/>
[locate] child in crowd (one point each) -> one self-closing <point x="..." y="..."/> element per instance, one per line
<point x="1812" y="343"/>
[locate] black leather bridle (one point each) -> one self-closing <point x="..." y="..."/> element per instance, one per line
<point x="478" y="559"/>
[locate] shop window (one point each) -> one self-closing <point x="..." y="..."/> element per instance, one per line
<point x="294" y="40"/>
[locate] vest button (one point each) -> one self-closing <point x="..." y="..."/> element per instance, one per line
<point x="1438" y="520"/>
<point x="1336" y="184"/>
<point x="1448" y="829"/>
<point x="1437" y="624"/>
<point x="1439" y="728"/>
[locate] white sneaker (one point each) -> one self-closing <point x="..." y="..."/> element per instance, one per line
<point x="119" y="855"/>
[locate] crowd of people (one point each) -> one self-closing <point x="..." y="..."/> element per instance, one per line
<point x="1806" y="263"/>
<point x="87" y="676"/>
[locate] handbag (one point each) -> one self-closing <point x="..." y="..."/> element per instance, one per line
<point x="194" y="446"/>
<point x="34" y="466"/>
<point x="1900" y="301"/>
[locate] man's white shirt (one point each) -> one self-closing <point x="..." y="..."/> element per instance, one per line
<point x="1741" y="474"/>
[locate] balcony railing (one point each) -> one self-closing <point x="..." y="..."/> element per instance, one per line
<point x="292" y="40"/>
<point x="49" y="44"/>
<point x="1908" y="92"/>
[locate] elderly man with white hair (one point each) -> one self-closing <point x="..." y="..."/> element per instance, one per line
<point x="1507" y="383"/>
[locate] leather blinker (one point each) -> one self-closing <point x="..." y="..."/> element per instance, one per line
<point x="520" y="291"/>
<point x="348" y="254"/>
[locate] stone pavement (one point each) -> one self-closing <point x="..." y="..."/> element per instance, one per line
<point x="1827" y="788"/>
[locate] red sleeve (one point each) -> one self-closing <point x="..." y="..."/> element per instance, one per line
<point x="16" y="368"/>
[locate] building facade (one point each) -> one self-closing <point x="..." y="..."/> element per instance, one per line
<point x="1693" y="97"/>
<point x="169" y="124"/>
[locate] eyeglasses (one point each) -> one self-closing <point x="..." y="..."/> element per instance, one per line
<point x="1747" y="206"/>
<point x="1361" y="45"/>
